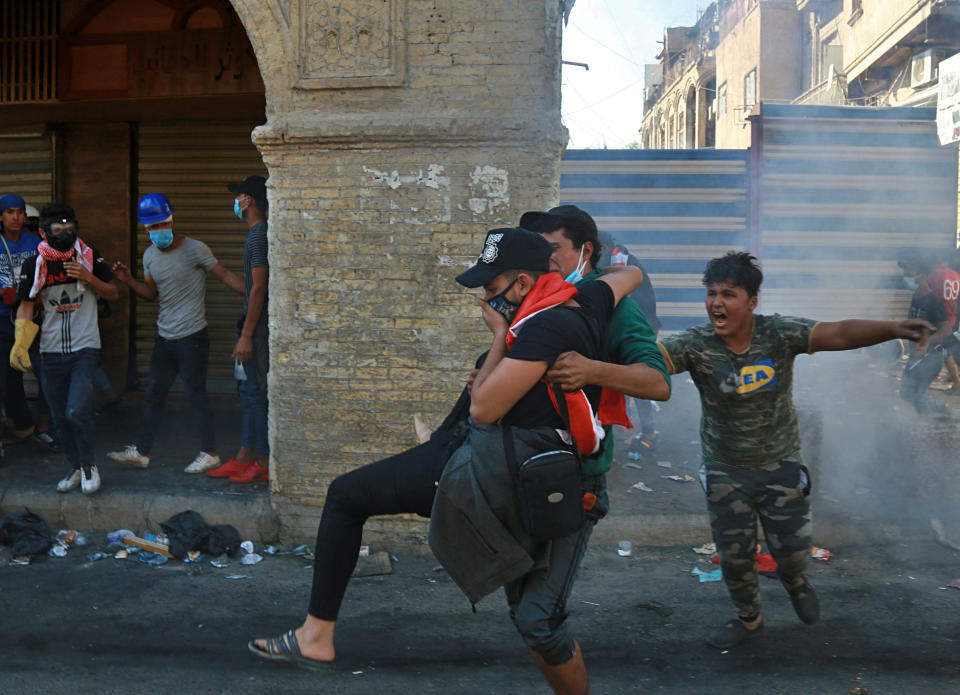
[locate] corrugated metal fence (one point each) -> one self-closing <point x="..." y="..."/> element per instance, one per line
<point x="674" y="209"/>
<point x="827" y="197"/>
<point x="843" y="193"/>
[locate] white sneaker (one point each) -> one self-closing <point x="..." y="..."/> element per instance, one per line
<point x="130" y="455"/>
<point x="70" y="482"/>
<point x="90" y="483"/>
<point x="203" y="462"/>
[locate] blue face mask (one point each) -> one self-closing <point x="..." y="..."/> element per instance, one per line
<point x="236" y="209"/>
<point x="576" y="275"/>
<point x="162" y="238"/>
<point x="910" y="283"/>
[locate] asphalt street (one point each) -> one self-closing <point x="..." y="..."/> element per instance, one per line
<point x="890" y="626"/>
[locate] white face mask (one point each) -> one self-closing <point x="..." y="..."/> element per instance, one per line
<point x="576" y="275"/>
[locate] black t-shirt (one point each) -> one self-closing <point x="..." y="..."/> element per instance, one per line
<point x="928" y="307"/>
<point x="548" y="334"/>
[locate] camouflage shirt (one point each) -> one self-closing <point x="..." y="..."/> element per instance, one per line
<point x="748" y="417"/>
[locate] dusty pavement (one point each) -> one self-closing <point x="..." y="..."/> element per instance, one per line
<point x="118" y="626"/>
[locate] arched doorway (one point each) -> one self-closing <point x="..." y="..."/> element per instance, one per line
<point x="134" y="96"/>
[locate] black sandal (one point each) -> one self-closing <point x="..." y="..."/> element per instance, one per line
<point x="285" y="648"/>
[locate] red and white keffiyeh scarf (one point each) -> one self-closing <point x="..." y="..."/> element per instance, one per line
<point x="80" y="251"/>
<point x="549" y="291"/>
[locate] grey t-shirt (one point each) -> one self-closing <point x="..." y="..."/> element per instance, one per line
<point x="180" y="275"/>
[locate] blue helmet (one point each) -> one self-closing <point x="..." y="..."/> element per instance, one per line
<point x="153" y="208"/>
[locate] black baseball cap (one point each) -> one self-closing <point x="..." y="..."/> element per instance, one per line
<point x="508" y="248"/>
<point x="567" y="216"/>
<point x="254" y="186"/>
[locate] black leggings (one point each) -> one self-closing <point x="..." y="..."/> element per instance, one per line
<point x="403" y="483"/>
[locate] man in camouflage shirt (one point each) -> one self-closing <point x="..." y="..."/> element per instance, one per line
<point x="742" y="365"/>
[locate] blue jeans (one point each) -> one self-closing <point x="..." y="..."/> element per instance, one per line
<point x="187" y="357"/>
<point x="68" y="385"/>
<point x="253" y="396"/>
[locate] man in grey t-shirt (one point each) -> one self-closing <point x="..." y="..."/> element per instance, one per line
<point x="175" y="273"/>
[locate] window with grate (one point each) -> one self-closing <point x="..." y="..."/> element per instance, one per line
<point x="28" y="50"/>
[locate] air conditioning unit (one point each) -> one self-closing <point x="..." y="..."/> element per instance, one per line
<point x="924" y="67"/>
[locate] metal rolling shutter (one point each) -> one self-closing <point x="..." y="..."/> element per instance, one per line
<point x="26" y="166"/>
<point x="191" y="163"/>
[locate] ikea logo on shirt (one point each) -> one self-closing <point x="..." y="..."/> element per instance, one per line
<point x="757" y="376"/>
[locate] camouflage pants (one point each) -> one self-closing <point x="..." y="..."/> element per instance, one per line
<point x="779" y="495"/>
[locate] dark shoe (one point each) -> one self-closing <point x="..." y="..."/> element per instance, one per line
<point x="805" y="602"/>
<point x="46" y="440"/>
<point x="732" y="633"/>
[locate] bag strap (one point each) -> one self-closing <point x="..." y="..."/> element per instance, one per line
<point x="507" y="431"/>
<point x="561" y="400"/>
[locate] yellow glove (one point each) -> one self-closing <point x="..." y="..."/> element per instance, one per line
<point x="24" y="333"/>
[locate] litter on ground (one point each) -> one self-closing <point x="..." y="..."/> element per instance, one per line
<point x="714" y="576"/>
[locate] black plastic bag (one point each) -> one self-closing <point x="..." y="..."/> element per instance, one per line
<point x="26" y="533"/>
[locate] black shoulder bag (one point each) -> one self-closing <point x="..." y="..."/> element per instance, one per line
<point x="549" y="489"/>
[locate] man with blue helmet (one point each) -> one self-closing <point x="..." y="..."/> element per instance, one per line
<point x="174" y="274"/>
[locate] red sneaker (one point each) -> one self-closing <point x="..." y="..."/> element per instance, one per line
<point x="231" y="467"/>
<point x="254" y="473"/>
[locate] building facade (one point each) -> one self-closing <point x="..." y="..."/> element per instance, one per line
<point x="828" y="52"/>
<point x="679" y="91"/>
<point x="394" y="133"/>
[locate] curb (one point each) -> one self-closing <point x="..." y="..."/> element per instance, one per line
<point x="257" y="519"/>
<point x="108" y="510"/>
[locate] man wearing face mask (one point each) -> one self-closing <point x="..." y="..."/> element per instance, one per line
<point x="175" y="271"/>
<point x="532" y="318"/>
<point x="252" y="353"/>
<point x="633" y="364"/>
<point x="65" y="278"/>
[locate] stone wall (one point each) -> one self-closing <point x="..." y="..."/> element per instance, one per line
<point x="384" y="178"/>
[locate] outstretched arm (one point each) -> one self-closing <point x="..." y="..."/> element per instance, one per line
<point x="145" y="290"/>
<point x="227" y="277"/>
<point x="857" y="333"/>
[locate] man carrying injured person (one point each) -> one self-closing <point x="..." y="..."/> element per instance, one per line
<point x="507" y="391"/>
<point x="742" y="365"/>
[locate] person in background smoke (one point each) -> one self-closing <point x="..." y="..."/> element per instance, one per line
<point x="175" y="271"/>
<point x="742" y="365"/>
<point x="945" y="283"/>
<point x="925" y="359"/>
<point x="65" y="279"/>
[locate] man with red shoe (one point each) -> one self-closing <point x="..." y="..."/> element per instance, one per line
<point x="252" y="352"/>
